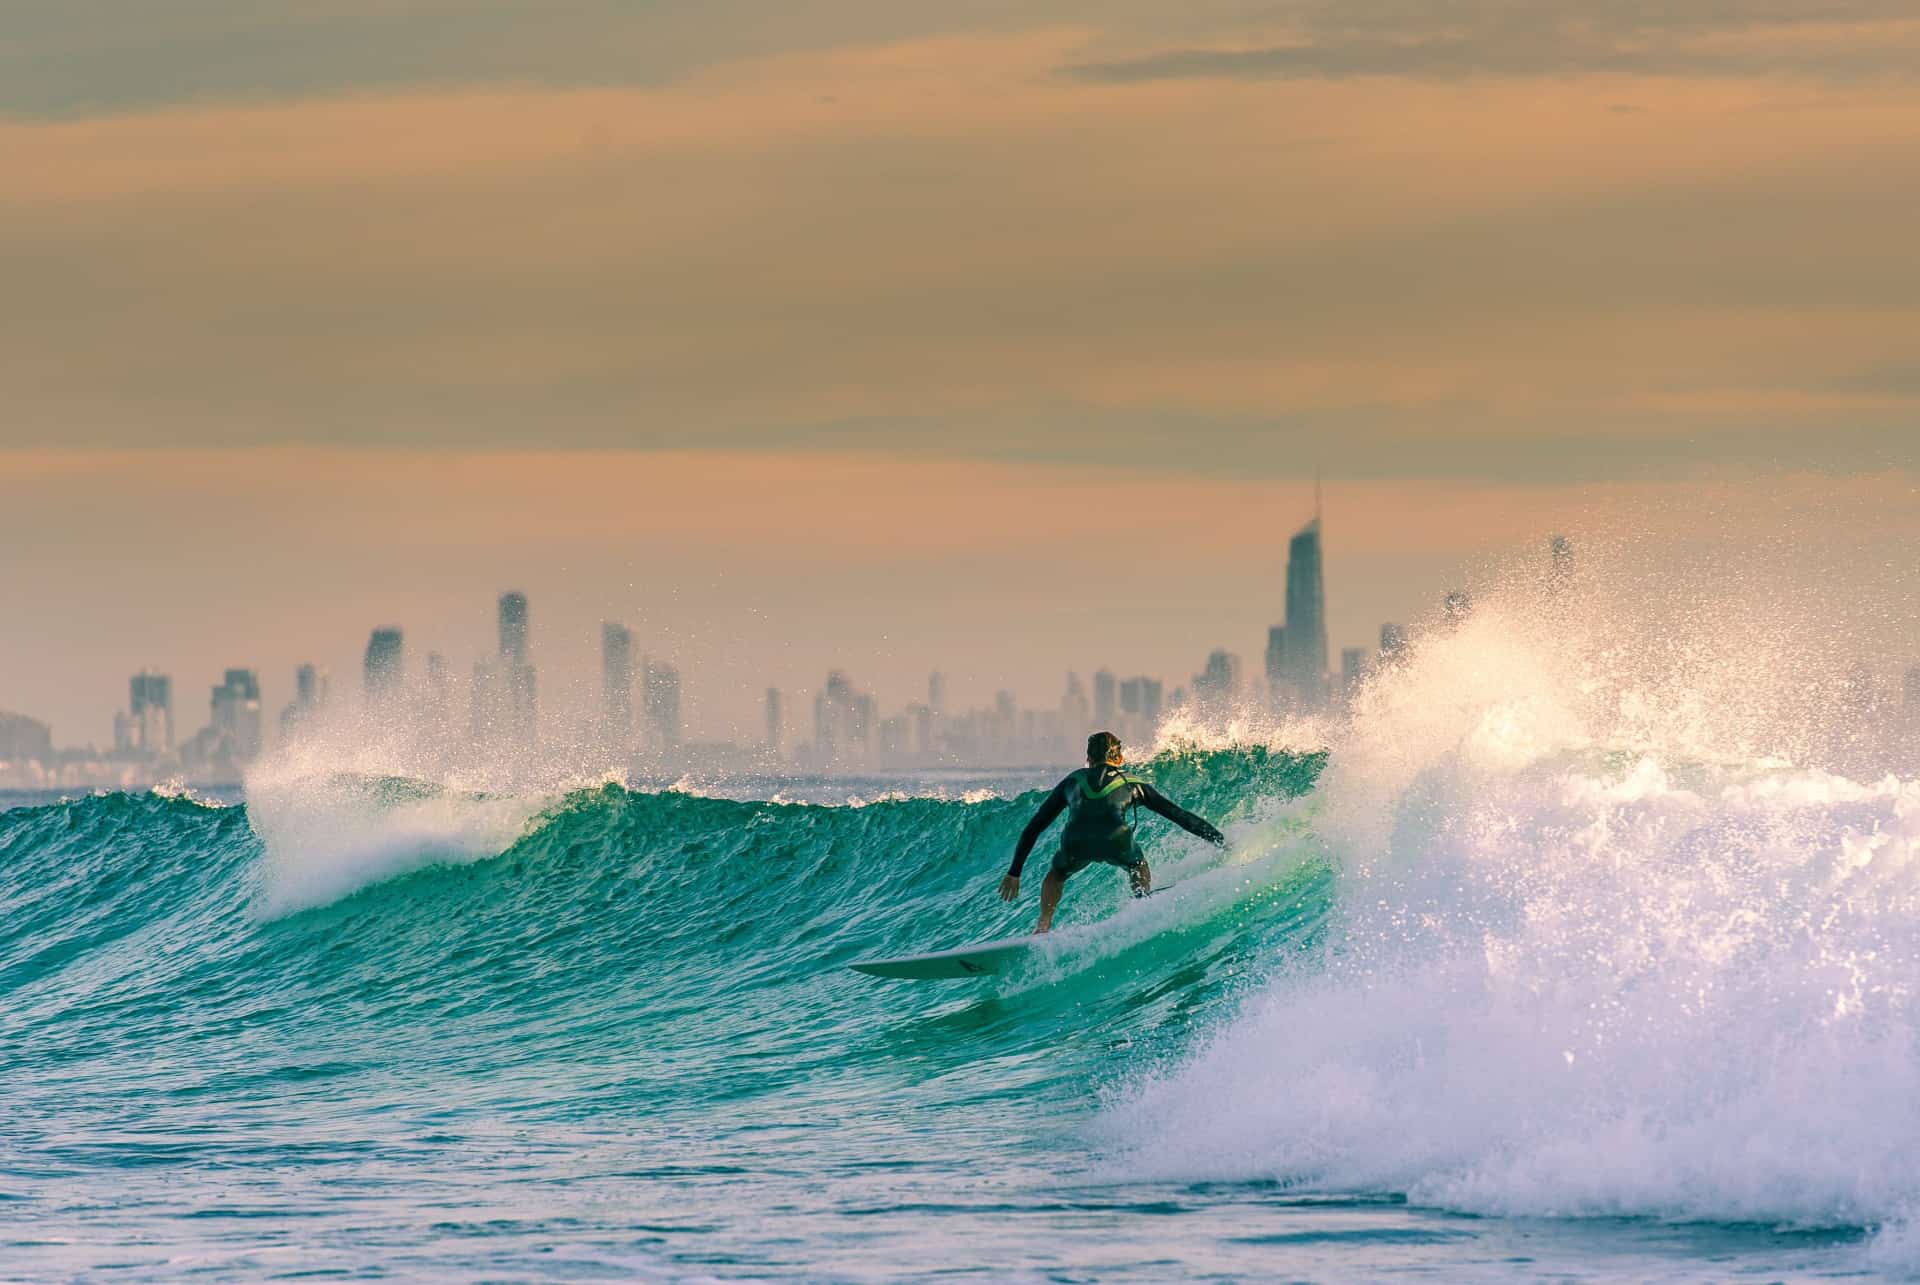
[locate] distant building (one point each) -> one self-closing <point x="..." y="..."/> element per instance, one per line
<point x="384" y="666"/>
<point x="150" y="709"/>
<point x="1105" y="700"/>
<point x="24" y="739"/>
<point x="616" y="678"/>
<point x="937" y="693"/>
<point x="437" y="700"/>
<point x="1141" y="698"/>
<point x="1393" y="641"/>
<point x="488" y="711"/>
<point x="523" y="703"/>
<point x="309" y="694"/>
<point x="519" y="684"/>
<point x="1353" y="665"/>
<point x="513" y="627"/>
<point x="1279" y="681"/>
<point x="311" y="684"/>
<point x="1215" y="687"/>
<point x="1560" y="563"/>
<point x="1075" y="711"/>
<point x="662" y="696"/>
<point x="922" y="737"/>
<point x="776" y="720"/>
<point x="1305" y="646"/>
<point x="843" y="722"/>
<point x="235" y="716"/>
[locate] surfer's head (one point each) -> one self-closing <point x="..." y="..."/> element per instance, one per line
<point x="1103" y="747"/>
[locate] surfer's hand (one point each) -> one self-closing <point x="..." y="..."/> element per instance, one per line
<point x="1010" y="887"/>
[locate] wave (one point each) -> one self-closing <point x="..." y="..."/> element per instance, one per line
<point x="1625" y="925"/>
<point x="451" y="928"/>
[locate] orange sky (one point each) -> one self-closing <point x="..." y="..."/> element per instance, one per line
<point x="880" y="299"/>
<point x="751" y="569"/>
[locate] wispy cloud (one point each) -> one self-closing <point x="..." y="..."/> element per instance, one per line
<point x="942" y="244"/>
<point x="1845" y="41"/>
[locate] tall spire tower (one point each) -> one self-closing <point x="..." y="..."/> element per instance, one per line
<point x="1305" y="655"/>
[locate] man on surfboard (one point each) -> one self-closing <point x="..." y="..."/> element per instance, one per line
<point x="1099" y="800"/>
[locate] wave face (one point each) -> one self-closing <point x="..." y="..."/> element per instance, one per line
<point x="368" y="976"/>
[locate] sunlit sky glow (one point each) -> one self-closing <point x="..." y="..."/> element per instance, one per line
<point x="837" y="332"/>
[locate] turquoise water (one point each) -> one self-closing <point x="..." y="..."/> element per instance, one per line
<point x="372" y="1026"/>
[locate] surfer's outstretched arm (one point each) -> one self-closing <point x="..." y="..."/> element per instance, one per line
<point x="1155" y="801"/>
<point x="1052" y="807"/>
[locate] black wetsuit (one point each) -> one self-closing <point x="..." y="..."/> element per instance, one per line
<point x="1100" y="803"/>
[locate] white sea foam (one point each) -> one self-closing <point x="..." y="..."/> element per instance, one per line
<point x="358" y="799"/>
<point x="326" y="836"/>
<point x="1620" y="931"/>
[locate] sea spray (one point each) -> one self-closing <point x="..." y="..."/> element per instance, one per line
<point x="1628" y="923"/>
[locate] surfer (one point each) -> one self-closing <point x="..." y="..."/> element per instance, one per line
<point x="1099" y="800"/>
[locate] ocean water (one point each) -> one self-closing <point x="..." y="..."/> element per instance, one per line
<point x="1533" y="968"/>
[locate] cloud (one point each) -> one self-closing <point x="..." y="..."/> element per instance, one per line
<point x="1840" y="41"/>
<point x="940" y="245"/>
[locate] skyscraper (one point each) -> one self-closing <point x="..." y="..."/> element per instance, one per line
<point x="310" y="685"/>
<point x="518" y="683"/>
<point x="1276" y="667"/>
<point x="1306" y="624"/>
<point x="383" y="667"/>
<point x="937" y="693"/>
<point x="776" y="727"/>
<point x="236" y="714"/>
<point x="1353" y="663"/>
<point x="662" y="684"/>
<point x="1393" y="641"/>
<point x="616" y="678"/>
<point x="309" y="693"/>
<point x="150" y="705"/>
<point x="1215" y="687"/>
<point x="1074" y="709"/>
<point x="1105" y="690"/>
<point x="24" y="739"/>
<point x="1560" y="568"/>
<point x="439" y="693"/>
<point x="513" y="627"/>
<point x="1140" y="700"/>
<point x="843" y="722"/>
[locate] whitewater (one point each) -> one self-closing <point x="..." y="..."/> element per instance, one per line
<point x="1583" y="946"/>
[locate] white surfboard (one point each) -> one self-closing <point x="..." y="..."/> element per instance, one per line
<point x="980" y="960"/>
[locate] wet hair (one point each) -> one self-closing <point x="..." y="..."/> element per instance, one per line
<point x="1101" y="744"/>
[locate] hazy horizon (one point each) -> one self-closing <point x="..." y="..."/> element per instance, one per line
<point x="749" y="572"/>
<point x="842" y="338"/>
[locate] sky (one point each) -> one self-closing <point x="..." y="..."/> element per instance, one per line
<point x="867" y="333"/>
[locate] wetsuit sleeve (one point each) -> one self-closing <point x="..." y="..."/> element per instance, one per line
<point x="1055" y="804"/>
<point x="1158" y="802"/>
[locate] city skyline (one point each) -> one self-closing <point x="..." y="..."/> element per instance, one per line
<point x="848" y="727"/>
<point x="850" y="730"/>
<point x="788" y="570"/>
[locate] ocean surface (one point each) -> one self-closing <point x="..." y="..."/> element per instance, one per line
<point x="1471" y="996"/>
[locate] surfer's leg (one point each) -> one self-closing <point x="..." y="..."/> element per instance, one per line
<point x="1050" y="898"/>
